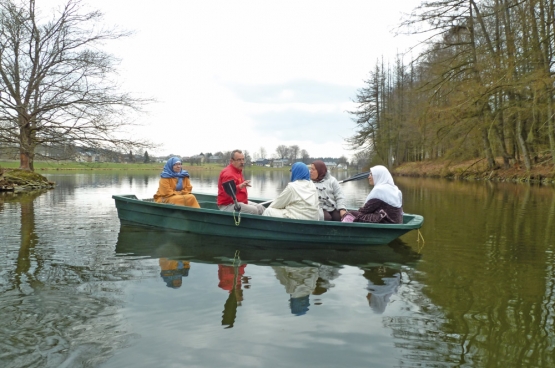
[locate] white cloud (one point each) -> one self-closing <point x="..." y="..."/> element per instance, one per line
<point x="245" y="74"/>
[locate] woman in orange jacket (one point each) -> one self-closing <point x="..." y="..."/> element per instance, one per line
<point x="175" y="186"/>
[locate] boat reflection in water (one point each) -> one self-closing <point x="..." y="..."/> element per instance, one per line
<point x="305" y="270"/>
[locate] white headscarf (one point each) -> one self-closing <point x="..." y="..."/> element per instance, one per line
<point x="384" y="187"/>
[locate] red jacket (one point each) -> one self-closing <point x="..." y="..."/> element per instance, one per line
<point x="231" y="173"/>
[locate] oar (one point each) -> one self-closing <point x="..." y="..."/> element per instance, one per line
<point x="355" y="177"/>
<point x="230" y="188"/>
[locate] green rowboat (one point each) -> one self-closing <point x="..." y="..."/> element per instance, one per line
<point x="209" y="220"/>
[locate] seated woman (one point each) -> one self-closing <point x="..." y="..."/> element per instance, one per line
<point x="330" y="195"/>
<point x="299" y="199"/>
<point x="175" y="186"/>
<point x="384" y="204"/>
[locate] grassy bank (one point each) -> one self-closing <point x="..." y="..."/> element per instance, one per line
<point x="19" y="180"/>
<point x="476" y="170"/>
<point x="72" y="165"/>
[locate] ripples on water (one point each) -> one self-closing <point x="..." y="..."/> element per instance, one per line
<point x="76" y="289"/>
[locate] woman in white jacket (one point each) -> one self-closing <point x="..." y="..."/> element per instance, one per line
<point x="299" y="199"/>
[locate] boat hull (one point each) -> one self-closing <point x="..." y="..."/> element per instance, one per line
<point x="209" y="220"/>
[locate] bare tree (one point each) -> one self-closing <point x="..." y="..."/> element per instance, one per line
<point x="293" y="153"/>
<point x="361" y="160"/>
<point x="248" y="158"/>
<point x="282" y="151"/>
<point x="55" y="83"/>
<point x="262" y="152"/>
<point x="305" y="156"/>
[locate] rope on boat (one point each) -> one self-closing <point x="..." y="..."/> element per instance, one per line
<point x="418" y="237"/>
<point x="236" y="269"/>
<point x="237" y="219"/>
<point x="236" y="257"/>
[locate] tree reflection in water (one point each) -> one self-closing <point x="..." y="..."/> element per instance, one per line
<point x="54" y="311"/>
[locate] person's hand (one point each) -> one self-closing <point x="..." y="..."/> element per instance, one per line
<point x="342" y="213"/>
<point x="244" y="184"/>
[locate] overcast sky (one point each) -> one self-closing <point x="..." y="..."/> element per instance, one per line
<point x="248" y="74"/>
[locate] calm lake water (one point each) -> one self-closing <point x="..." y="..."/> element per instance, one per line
<point x="79" y="290"/>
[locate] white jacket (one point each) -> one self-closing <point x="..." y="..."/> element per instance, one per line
<point x="299" y="200"/>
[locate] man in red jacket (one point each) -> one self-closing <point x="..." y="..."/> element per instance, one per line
<point x="234" y="171"/>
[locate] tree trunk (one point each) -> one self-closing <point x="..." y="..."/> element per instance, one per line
<point x="487" y="149"/>
<point x="551" y="129"/>
<point x="522" y="144"/>
<point x="25" y="148"/>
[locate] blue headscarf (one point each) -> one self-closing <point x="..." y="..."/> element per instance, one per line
<point x="168" y="172"/>
<point x="299" y="171"/>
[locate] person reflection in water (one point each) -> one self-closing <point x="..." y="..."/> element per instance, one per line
<point x="299" y="283"/>
<point x="326" y="274"/>
<point x="382" y="283"/>
<point x="231" y="279"/>
<point x="172" y="271"/>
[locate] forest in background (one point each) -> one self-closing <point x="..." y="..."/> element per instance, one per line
<point x="482" y="87"/>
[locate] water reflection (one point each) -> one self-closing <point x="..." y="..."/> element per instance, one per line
<point x="326" y="275"/>
<point x="142" y="241"/>
<point x="383" y="282"/>
<point x="489" y="268"/>
<point x="172" y="271"/>
<point x="76" y="289"/>
<point x="231" y="279"/>
<point x="44" y="306"/>
<point x="299" y="283"/>
<point x="25" y="279"/>
<point x="305" y="271"/>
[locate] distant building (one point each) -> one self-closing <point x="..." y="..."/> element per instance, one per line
<point x="331" y="165"/>
<point x="262" y="162"/>
<point x="215" y="159"/>
<point x="89" y="157"/>
<point x="197" y="158"/>
<point x="280" y="163"/>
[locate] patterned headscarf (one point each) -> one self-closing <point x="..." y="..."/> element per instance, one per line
<point x="322" y="169"/>
<point x="299" y="171"/>
<point x="168" y="172"/>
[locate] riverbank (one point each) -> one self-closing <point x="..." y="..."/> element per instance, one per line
<point x="155" y="166"/>
<point x="476" y="170"/>
<point x="15" y="180"/>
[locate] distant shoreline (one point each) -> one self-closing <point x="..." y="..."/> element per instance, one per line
<point x="42" y="166"/>
<point x="464" y="170"/>
<point x="476" y="170"/>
